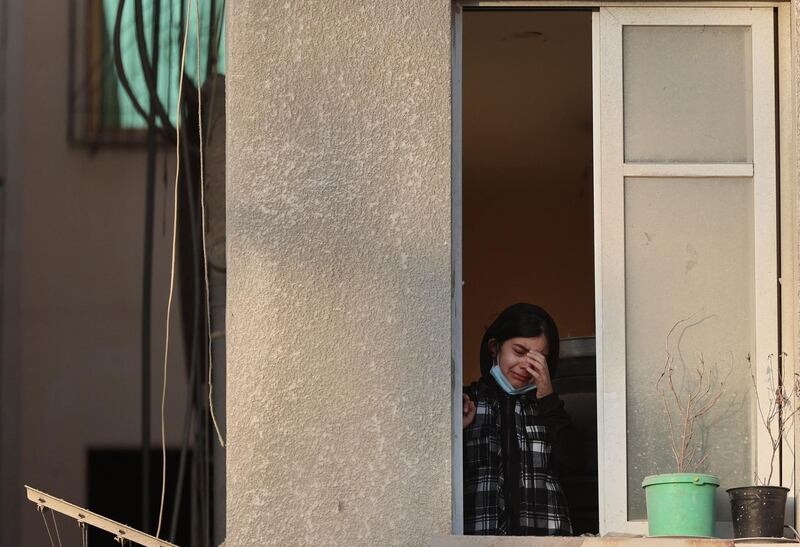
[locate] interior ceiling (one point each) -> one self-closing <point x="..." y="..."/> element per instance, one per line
<point x="532" y="89"/>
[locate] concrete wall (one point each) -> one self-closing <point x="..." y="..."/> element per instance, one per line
<point x="339" y="272"/>
<point x="338" y="211"/>
<point x="72" y="288"/>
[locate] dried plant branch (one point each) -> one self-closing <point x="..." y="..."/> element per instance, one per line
<point x="691" y="404"/>
<point x="666" y="408"/>
<point x="780" y="413"/>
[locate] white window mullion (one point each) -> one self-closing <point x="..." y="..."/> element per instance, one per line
<point x="765" y="219"/>
<point x="688" y="170"/>
<point x="610" y="292"/>
<point x="787" y="238"/>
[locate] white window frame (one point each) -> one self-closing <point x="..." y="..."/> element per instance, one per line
<point x="610" y="173"/>
<point x="608" y="384"/>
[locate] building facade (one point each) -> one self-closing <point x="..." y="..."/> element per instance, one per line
<point x="345" y="227"/>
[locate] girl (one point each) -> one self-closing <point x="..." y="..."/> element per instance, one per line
<point x="514" y="430"/>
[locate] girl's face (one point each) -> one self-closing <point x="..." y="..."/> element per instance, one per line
<point x="513" y="353"/>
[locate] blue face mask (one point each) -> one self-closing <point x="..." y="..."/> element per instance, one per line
<point x="503" y="382"/>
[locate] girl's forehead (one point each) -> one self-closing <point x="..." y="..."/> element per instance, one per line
<point x="538" y="343"/>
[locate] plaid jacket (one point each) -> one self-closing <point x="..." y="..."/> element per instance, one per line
<point x="533" y="503"/>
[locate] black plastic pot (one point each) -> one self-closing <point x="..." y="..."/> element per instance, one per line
<point x="757" y="511"/>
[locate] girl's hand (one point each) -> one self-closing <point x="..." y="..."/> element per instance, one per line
<point x="536" y="365"/>
<point x="469" y="411"/>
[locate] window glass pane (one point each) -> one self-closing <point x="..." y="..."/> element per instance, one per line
<point x="687" y="94"/>
<point x="689" y="253"/>
<point x="117" y="110"/>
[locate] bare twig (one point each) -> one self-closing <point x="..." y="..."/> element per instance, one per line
<point x="666" y="409"/>
<point x="780" y="412"/>
<point x="690" y="403"/>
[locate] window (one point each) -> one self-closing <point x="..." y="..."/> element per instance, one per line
<point x="691" y="123"/>
<point x="101" y="111"/>
<point x="686" y="229"/>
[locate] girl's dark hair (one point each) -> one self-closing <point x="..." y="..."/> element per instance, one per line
<point x="521" y="320"/>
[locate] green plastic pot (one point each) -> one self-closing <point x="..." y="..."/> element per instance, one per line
<point x="680" y="504"/>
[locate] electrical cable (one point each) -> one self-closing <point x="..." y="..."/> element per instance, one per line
<point x="167" y="131"/>
<point x="203" y="232"/>
<point x="201" y="463"/>
<point x="156" y="102"/>
<point x="171" y="25"/>
<point x="194" y="399"/>
<point x="196" y="328"/>
<point x="121" y="75"/>
<point x="207" y="498"/>
<point x="196" y="324"/>
<point x="217" y="40"/>
<point x="148" y="70"/>
<point x="210" y="54"/>
<point x="147" y="277"/>
<point x="164" y="194"/>
<point x="187" y="427"/>
<point x="171" y="278"/>
<point x="188" y="420"/>
<point x="206" y="447"/>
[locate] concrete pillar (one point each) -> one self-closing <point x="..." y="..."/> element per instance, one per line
<point x="339" y="278"/>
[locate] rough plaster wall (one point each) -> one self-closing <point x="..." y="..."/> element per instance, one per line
<point x="339" y="272"/>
